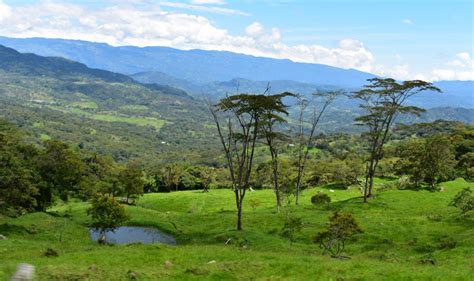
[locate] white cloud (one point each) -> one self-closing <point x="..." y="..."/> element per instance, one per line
<point x="205" y="2"/>
<point x="5" y="11"/>
<point x="255" y="29"/>
<point x="139" y="26"/>
<point x="147" y="24"/>
<point x="449" y="74"/>
<point x="407" y="21"/>
<point x="202" y="8"/>
<point x="461" y="68"/>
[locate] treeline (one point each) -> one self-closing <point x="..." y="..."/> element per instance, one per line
<point x="33" y="177"/>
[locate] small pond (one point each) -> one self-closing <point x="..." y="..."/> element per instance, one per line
<point x="134" y="234"/>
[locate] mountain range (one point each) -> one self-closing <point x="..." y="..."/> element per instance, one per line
<point x="215" y="73"/>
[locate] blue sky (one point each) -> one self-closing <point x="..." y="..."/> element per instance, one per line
<point x="430" y="40"/>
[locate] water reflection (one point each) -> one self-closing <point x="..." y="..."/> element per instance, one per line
<point x="134" y="234"/>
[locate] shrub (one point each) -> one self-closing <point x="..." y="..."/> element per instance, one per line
<point x="446" y="243"/>
<point x="428" y="259"/>
<point x="293" y="226"/>
<point x="254" y="203"/>
<point x="320" y="198"/>
<point x="463" y="200"/>
<point x="50" y="253"/>
<point x="106" y="213"/>
<point x="341" y="227"/>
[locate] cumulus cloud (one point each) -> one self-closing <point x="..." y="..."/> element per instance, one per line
<point x="139" y="26"/>
<point x="146" y="24"/>
<point x="202" y="8"/>
<point x="5" y="11"/>
<point x="255" y="29"/>
<point x="205" y="2"/>
<point x="460" y="68"/>
<point x="407" y="21"/>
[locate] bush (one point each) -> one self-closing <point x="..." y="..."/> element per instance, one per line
<point x="320" y="198"/>
<point x="254" y="203"/>
<point x="293" y="226"/>
<point x="50" y="253"/>
<point x="463" y="200"/>
<point x="446" y="243"/>
<point x="341" y="227"/>
<point x="106" y="213"/>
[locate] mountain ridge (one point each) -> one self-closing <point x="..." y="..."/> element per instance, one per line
<point x="198" y="66"/>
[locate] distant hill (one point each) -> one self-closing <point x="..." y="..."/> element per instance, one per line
<point x="215" y="73"/>
<point x="107" y="112"/>
<point x="196" y="66"/>
<point x="455" y="93"/>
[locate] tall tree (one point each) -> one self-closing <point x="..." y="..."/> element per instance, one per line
<point x="18" y="179"/>
<point x="132" y="181"/>
<point x="319" y="103"/>
<point x="430" y="160"/>
<point x="61" y="171"/>
<point x="243" y="114"/>
<point x="383" y="99"/>
<point x="273" y="138"/>
<point x="172" y="174"/>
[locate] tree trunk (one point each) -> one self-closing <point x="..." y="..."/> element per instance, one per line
<point x="275" y="179"/>
<point x="297" y="194"/>
<point x="371" y="183"/>
<point x="239" y="216"/>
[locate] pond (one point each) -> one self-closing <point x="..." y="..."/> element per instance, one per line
<point x="134" y="234"/>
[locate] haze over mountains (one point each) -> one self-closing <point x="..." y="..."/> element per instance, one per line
<point x="216" y="73"/>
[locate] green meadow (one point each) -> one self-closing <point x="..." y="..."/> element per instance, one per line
<point x="408" y="235"/>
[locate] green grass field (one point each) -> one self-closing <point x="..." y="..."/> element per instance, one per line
<point x="139" y="121"/>
<point x="401" y="227"/>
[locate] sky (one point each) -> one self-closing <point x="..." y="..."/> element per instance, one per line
<point x="418" y="39"/>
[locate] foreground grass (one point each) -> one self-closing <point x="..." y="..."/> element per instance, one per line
<point x="401" y="228"/>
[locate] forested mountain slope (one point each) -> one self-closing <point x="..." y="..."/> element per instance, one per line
<point x="108" y="112"/>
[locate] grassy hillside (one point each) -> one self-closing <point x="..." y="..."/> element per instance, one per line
<point x="103" y="111"/>
<point x="401" y="229"/>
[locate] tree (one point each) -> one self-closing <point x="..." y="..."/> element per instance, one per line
<point x="463" y="200"/>
<point x="244" y="114"/>
<point x="132" y="181"/>
<point x="341" y="227"/>
<point x="205" y="176"/>
<point x="18" y="190"/>
<point x="102" y="176"/>
<point x="172" y="176"/>
<point x="304" y="142"/>
<point x="342" y="173"/>
<point x="438" y="160"/>
<point x="382" y="100"/>
<point x="107" y="214"/>
<point x="61" y="171"/>
<point x="273" y="138"/>
<point x="429" y="160"/>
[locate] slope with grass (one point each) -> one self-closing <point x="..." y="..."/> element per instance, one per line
<point x="128" y="119"/>
<point x="402" y="228"/>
